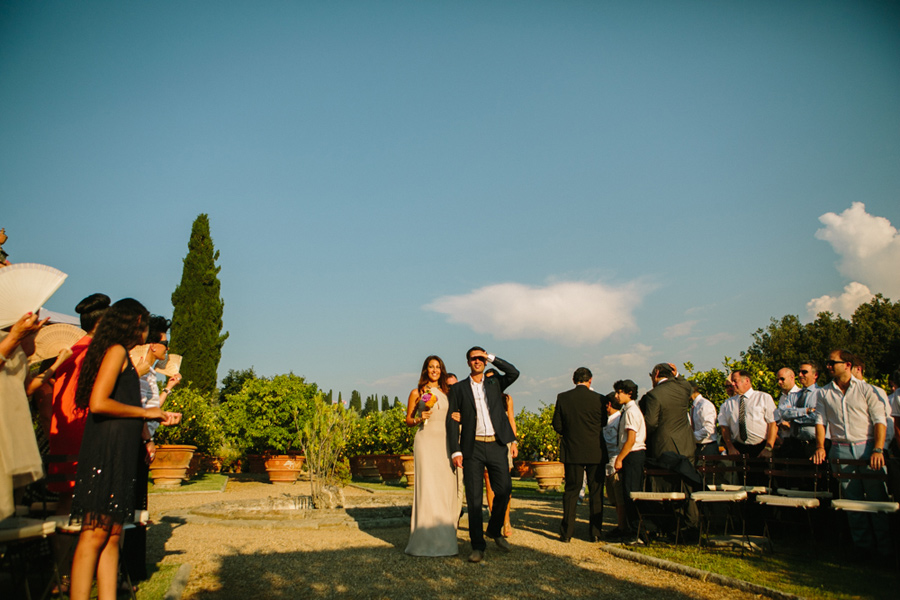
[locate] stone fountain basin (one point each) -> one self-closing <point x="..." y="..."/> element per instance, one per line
<point x="295" y="511"/>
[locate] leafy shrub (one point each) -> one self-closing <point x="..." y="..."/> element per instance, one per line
<point x="200" y="425"/>
<point x="266" y="413"/>
<point x="537" y="438"/>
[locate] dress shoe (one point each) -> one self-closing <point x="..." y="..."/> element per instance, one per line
<point x="476" y="556"/>
<point x="565" y="539"/>
<point x="503" y="543"/>
<point x="594" y="539"/>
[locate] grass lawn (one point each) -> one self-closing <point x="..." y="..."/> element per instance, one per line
<point x="205" y="482"/>
<point x="825" y="572"/>
<point x="161" y="577"/>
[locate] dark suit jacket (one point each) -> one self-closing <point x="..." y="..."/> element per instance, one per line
<point x="462" y="400"/>
<point x="666" y="408"/>
<point x="580" y="417"/>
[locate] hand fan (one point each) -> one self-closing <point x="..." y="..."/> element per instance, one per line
<point x="170" y="366"/>
<point x="139" y="352"/>
<point x="24" y="287"/>
<point x="53" y="339"/>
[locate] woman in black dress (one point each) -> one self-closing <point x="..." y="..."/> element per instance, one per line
<point x="104" y="496"/>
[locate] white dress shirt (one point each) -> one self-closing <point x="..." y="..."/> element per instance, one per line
<point x="851" y="417"/>
<point x="760" y="409"/>
<point x="703" y="419"/>
<point x="632" y="418"/>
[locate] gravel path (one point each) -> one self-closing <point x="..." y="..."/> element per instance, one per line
<point x="230" y="560"/>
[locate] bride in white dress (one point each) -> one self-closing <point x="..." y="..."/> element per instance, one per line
<point x="432" y="530"/>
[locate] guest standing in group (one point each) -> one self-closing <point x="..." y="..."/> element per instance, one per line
<point x="579" y="417"/>
<point x="20" y="460"/>
<point x="67" y="422"/>
<point x="432" y="529"/>
<point x="629" y="463"/>
<point x="104" y="499"/>
<point x="151" y="396"/>
<point x="479" y="441"/>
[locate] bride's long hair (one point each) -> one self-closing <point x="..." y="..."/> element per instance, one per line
<point x="423" y="378"/>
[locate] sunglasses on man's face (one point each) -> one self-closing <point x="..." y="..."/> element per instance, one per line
<point x="476" y="358"/>
<point x="831" y="363"/>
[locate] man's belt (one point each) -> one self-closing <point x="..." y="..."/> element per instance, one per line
<point x="485" y="438"/>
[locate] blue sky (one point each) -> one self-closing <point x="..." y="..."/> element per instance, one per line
<point x="604" y="184"/>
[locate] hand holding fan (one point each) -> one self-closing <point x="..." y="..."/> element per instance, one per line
<point x="24" y="287"/>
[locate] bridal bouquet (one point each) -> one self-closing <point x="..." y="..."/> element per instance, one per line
<point x="427" y="402"/>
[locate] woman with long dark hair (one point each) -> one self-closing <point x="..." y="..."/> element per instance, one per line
<point x="68" y="421"/>
<point x="104" y="496"/>
<point x="432" y="530"/>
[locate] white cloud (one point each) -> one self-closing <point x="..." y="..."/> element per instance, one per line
<point x="854" y="294"/>
<point x="869" y="251"/>
<point x="719" y="338"/>
<point x="640" y="356"/>
<point x="572" y="313"/>
<point x="679" y="329"/>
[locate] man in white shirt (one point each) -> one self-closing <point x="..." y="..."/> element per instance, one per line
<point x="703" y="422"/>
<point x="858" y="370"/>
<point x="855" y="416"/>
<point x="747" y="419"/>
<point x="629" y="463"/>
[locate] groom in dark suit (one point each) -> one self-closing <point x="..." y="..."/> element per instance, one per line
<point x="580" y="417"/>
<point x="478" y="442"/>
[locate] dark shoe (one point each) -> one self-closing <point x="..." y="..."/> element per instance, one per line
<point x="503" y="544"/>
<point x="476" y="556"/>
<point x="565" y="539"/>
<point x="594" y="539"/>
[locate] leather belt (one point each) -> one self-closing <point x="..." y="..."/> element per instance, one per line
<point x="485" y="438"/>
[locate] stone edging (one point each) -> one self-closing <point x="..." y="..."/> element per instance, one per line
<point x="700" y="574"/>
<point x="176" y="588"/>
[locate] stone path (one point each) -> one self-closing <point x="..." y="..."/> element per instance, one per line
<point x="273" y="558"/>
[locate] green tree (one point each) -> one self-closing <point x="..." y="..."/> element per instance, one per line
<point x="197" y="314"/>
<point x="371" y="405"/>
<point x="385" y="404"/>
<point x="876" y="335"/>
<point x="340" y="399"/>
<point x="234" y="381"/>
<point x="782" y="344"/>
<point x="267" y="413"/>
<point x="397" y="402"/>
<point x="355" y="401"/>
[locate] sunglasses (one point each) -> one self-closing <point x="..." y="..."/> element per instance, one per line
<point x="831" y="363"/>
<point x="802" y="372"/>
<point x="163" y="343"/>
<point x="477" y="358"/>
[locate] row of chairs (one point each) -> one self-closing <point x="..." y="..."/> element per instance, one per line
<point x="778" y="485"/>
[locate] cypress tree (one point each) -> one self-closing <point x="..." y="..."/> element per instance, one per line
<point x="355" y="401"/>
<point x="371" y="405"/>
<point x="397" y="402"/>
<point x="340" y="399"/>
<point x="385" y="405"/>
<point x="197" y="314"/>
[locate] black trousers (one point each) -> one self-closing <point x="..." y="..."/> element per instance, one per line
<point x="493" y="457"/>
<point x="632" y="476"/>
<point x="596" y="476"/>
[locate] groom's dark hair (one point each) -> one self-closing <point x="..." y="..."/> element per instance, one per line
<point x="469" y="351"/>
<point x="582" y="375"/>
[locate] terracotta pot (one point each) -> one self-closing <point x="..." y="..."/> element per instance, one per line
<point x="408" y="462"/>
<point x="255" y="463"/>
<point x="364" y="466"/>
<point x="170" y="465"/>
<point x="549" y="474"/>
<point x="522" y="469"/>
<point x="284" y="468"/>
<point x="390" y="467"/>
<point x="207" y="463"/>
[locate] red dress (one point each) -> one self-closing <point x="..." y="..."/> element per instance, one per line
<point x="68" y="421"/>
